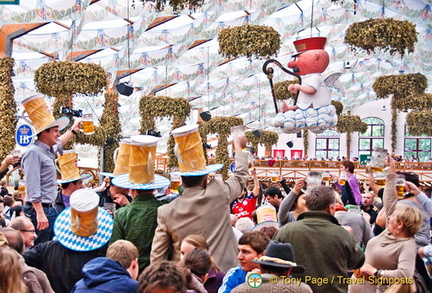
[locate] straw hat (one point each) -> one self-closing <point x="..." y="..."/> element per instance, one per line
<point x="195" y="165"/>
<point x="84" y="203"/>
<point x="68" y="169"/>
<point x="148" y="180"/>
<point x="41" y="116"/>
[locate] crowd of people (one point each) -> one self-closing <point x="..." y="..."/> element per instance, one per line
<point x="234" y="235"/>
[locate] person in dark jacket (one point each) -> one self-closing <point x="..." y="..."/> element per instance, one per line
<point x="115" y="273"/>
<point x="62" y="260"/>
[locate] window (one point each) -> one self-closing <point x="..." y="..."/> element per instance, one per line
<point x="373" y="137"/>
<point x="417" y="147"/>
<point x="327" y="145"/>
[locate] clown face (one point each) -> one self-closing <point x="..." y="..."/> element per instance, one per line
<point x="312" y="61"/>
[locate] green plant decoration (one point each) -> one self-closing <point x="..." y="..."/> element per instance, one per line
<point x="249" y="40"/>
<point x="161" y="106"/>
<point x="419" y="122"/>
<point x="407" y="92"/>
<point x="412" y="102"/>
<point x="281" y="90"/>
<point x="110" y="120"/>
<point x="338" y="105"/>
<point x="252" y="139"/>
<point x="305" y="141"/>
<point x="268" y="139"/>
<point x="203" y="135"/>
<point x="403" y="85"/>
<point x="394" y="129"/>
<point x="65" y="79"/>
<point x="62" y="78"/>
<point x="349" y="124"/>
<point x="8" y="119"/>
<point x="387" y="35"/>
<point x="177" y="5"/>
<point x="221" y="126"/>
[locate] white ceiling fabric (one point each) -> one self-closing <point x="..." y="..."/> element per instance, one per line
<point x="163" y="53"/>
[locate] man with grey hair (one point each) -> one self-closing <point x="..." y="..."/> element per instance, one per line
<point x="26" y="228"/>
<point x="328" y="260"/>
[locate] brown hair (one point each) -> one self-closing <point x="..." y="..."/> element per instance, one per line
<point x="162" y="275"/>
<point x="123" y="251"/>
<point x="348" y="165"/>
<point x="197" y="261"/>
<point x="11" y="280"/>
<point x="255" y="239"/>
<point x="199" y="241"/>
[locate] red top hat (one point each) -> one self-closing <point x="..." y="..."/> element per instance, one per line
<point x="317" y="43"/>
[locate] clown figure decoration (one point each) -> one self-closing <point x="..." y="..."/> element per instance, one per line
<point x="313" y="109"/>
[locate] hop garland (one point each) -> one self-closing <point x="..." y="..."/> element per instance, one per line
<point x="177" y="5"/>
<point x="407" y="92"/>
<point x="161" y="106"/>
<point x="350" y="123"/>
<point x="111" y="123"/>
<point x="403" y="85"/>
<point x="8" y="119"/>
<point x="281" y="90"/>
<point x="249" y="40"/>
<point x="221" y="126"/>
<point x="267" y="139"/>
<point x="386" y="35"/>
<point x="338" y="105"/>
<point x="419" y="122"/>
<point x="62" y="78"/>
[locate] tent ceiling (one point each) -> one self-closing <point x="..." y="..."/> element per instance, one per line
<point x="182" y="51"/>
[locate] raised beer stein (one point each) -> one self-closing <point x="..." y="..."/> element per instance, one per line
<point x="400" y="186"/>
<point x="378" y="160"/>
<point x="88" y="125"/>
<point x="380" y="179"/>
<point x="343" y="178"/>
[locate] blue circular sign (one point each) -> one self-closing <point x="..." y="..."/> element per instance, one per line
<point x="24" y="135"/>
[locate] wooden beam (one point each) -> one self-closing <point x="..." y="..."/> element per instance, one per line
<point x="9" y="32"/>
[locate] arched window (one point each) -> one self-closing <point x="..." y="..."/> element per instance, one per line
<point x="373" y="137"/>
<point x="327" y="145"/>
<point x="417" y="148"/>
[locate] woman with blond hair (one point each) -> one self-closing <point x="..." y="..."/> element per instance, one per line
<point x="390" y="256"/>
<point x="10" y="277"/>
<point x="215" y="276"/>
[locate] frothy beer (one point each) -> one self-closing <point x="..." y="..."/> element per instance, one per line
<point x="88" y="125"/>
<point x="84" y="209"/>
<point x="380" y="182"/>
<point x="188" y="148"/>
<point x="400" y="190"/>
<point x="141" y="160"/>
<point x="342" y="181"/>
<point x="376" y="169"/>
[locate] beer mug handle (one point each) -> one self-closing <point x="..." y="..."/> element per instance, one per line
<point x="176" y="152"/>
<point x="115" y="154"/>
<point x="26" y="117"/>
<point x="57" y="166"/>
